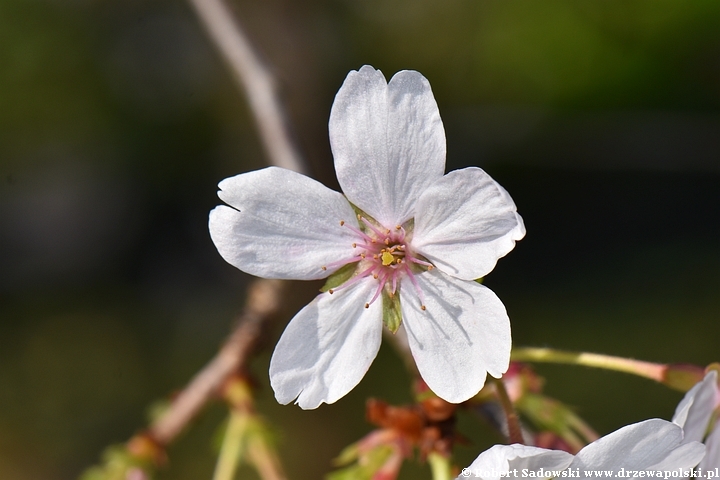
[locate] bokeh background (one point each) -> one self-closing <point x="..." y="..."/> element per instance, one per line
<point x="118" y="119"/>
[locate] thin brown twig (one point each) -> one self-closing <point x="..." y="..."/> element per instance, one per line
<point x="263" y="297"/>
<point x="256" y="81"/>
<point x="262" y="303"/>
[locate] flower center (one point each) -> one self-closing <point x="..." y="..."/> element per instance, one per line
<point x="387" y="255"/>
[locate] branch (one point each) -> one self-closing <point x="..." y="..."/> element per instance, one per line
<point x="262" y="303"/>
<point x="264" y="295"/>
<point x="263" y="298"/>
<point x="147" y="449"/>
<point x="254" y="78"/>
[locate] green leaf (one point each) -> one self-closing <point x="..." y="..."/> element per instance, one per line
<point x="392" y="316"/>
<point x="339" y="277"/>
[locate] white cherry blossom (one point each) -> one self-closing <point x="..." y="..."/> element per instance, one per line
<point x="697" y="413"/>
<point x="403" y="240"/>
<point x="653" y="445"/>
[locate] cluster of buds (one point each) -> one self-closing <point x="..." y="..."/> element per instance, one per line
<point x="427" y="427"/>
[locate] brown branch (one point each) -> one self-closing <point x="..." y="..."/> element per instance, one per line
<point x="262" y="303"/>
<point x="264" y="295"/>
<point x="255" y="79"/>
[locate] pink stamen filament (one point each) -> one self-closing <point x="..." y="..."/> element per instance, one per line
<point x="412" y="278"/>
<point x="341" y="263"/>
<point x="354" y="279"/>
<point x="359" y="232"/>
<point x="381" y="284"/>
<point x="420" y="262"/>
<point x="372" y="227"/>
<point x="389" y="258"/>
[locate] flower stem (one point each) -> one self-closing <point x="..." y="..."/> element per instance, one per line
<point x="653" y="371"/>
<point x="254" y="445"/>
<point x="513" y="422"/>
<point x="265" y="460"/>
<point x="232" y="446"/>
<point x="440" y="466"/>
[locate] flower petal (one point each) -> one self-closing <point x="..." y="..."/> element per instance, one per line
<point x="711" y="461"/>
<point x="465" y="222"/>
<point x="388" y="142"/>
<point x="501" y="459"/>
<point x="283" y="225"/>
<point x="650" y="445"/>
<point x="327" y="347"/>
<point x="463" y="333"/>
<point x="694" y="410"/>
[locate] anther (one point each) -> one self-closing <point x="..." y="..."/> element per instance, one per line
<point x="354" y="245"/>
<point x="422" y="307"/>
<point x="387" y="241"/>
<point x="375" y="276"/>
<point x="331" y="291"/>
<point x="375" y="257"/>
<point x="397" y="227"/>
<point x="367" y="305"/>
<point x="342" y="222"/>
<point x="324" y="267"/>
<point x="430" y="267"/>
<point x="362" y="255"/>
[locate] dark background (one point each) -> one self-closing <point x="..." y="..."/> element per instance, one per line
<point x="118" y="119"/>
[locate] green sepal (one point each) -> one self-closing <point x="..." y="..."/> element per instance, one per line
<point x="392" y="316"/>
<point x="360" y="211"/>
<point x="480" y="280"/>
<point x="339" y="277"/>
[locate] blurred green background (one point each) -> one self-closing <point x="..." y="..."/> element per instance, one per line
<point x="118" y="119"/>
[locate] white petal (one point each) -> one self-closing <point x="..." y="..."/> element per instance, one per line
<point x="499" y="459"/>
<point x="283" y="225"/>
<point x="327" y="347"/>
<point x="711" y="460"/>
<point x="465" y="222"/>
<point x="694" y="410"/>
<point x="650" y="445"/>
<point x="463" y="334"/>
<point x="388" y="142"/>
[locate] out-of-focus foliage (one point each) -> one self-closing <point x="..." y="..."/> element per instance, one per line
<point x="117" y="120"/>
